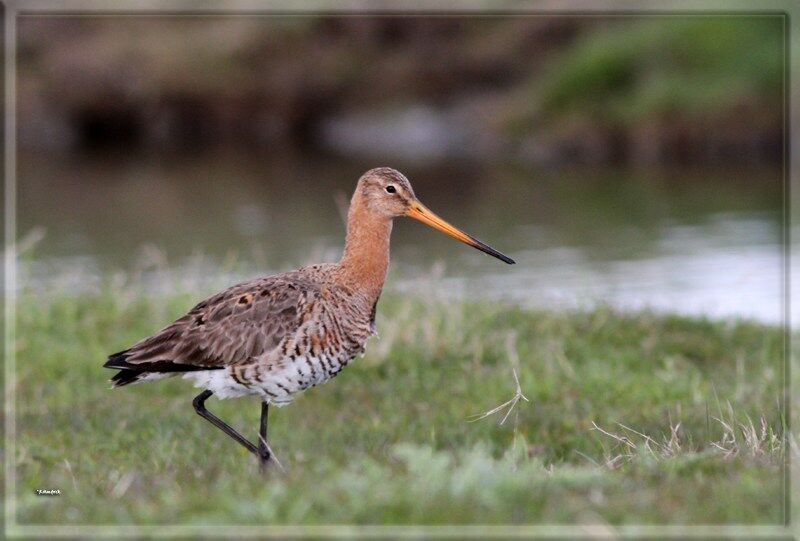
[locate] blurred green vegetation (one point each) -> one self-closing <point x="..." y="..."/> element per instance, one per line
<point x="660" y="90"/>
<point x="667" y="66"/>
<point x="632" y="419"/>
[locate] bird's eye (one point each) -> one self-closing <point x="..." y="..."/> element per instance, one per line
<point x="391" y="189"/>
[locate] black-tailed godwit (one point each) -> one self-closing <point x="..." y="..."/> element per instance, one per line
<point x="274" y="337"/>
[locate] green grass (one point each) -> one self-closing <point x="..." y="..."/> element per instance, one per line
<point x="389" y="441"/>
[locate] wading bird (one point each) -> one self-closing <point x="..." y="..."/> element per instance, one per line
<point x="274" y="337"/>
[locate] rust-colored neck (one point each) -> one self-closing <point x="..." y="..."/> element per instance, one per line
<point x="366" y="250"/>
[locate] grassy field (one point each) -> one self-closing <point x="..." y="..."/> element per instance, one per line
<point x="630" y="419"/>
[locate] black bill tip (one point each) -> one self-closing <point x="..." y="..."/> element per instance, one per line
<point x="483" y="247"/>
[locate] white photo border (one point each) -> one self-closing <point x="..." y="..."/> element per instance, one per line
<point x="787" y="9"/>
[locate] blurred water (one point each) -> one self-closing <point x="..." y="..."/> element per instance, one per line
<point x="699" y="270"/>
<point x="698" y="242"/>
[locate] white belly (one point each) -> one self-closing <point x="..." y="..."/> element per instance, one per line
<point x="219" y="382"/>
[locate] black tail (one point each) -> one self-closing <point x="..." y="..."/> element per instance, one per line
<point x="118" y="360"/>
<point x="124" y="377"/>
<point x="131" y="372"/>
<point x="128" y="373"/>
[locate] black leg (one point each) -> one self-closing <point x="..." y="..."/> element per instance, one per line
<point x="264" y="454"/>
<point x="200" y="408"/>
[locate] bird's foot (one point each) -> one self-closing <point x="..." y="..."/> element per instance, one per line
<point x="267" y="458"/>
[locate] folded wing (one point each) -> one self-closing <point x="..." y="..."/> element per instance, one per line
<point x="245" y="321"/>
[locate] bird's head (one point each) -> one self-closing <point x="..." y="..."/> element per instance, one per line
<point x="388" y="192"/>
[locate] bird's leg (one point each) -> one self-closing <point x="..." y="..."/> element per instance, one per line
<point x="264" y="454"/>
<point x="200" y="408"/>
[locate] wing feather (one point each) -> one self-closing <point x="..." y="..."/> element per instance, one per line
<point x="231" y="327"/>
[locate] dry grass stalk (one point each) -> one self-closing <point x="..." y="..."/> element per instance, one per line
<point x="510" y="404"/>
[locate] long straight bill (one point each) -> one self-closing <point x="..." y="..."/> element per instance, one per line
<point x="420" y="212"/>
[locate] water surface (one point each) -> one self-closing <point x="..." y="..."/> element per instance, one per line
<point x="694" y="242"/>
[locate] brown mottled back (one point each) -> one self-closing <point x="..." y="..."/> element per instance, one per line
<point x="232" y="327"/>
